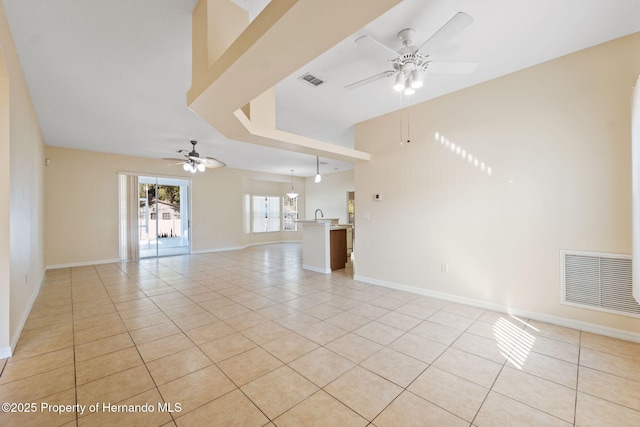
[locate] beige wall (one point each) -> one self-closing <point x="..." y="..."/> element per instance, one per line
<point x="557" y="139"/>
<point x="21" y="184"/>
<point x="5" y="225"/>
<point x="82" y="205"/>
<point x="259" y="184"/>
<point x="329" y="195"/>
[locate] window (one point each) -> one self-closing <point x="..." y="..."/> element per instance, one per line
<point x="166" y="215"/>
<point x="247" y="214"/>
<point x="265" y="214"/>
<point x="290" y="210"/>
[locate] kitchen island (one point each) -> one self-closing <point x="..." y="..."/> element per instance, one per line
<point x="324" y="245"/>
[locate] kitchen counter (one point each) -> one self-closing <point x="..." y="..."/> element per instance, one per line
<point x="324" y="245"/>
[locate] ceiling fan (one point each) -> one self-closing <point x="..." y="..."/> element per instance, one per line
<point x="192" y="161"/>
<point x="410" y="63"/>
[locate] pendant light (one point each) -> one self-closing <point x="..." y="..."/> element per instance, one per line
<point x="318" y="176"/>
<point x="292" y="194"/>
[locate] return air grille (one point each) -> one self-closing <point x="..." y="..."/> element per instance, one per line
<point x="598" y="281"/>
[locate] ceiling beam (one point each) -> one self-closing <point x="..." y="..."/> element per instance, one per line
<point x="287" y="35"/>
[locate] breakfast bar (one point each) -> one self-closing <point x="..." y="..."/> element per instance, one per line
<point x="324" y="245"/>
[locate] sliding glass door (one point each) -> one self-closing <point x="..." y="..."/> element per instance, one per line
<point x="163" y="217"/>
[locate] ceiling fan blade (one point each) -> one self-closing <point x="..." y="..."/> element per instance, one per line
<point x="211" y="163"/>
<point x="173" y="159"/>
<point x="383" y="49"/>
<point x="437" y="67"/>
<point x="371" y="79"/>
<point x="455" y="25"/>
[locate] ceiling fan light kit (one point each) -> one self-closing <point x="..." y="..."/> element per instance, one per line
<point x="417" y="79"/>
<point x="400" y="82"/>
<point x="193" y="163"/>
<point x="410" y="63"/>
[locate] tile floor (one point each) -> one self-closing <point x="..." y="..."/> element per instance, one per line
<point x="248" y="338"/>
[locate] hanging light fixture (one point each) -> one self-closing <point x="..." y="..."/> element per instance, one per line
<point x="318" y="176"/>
<point x="292" y="194"/>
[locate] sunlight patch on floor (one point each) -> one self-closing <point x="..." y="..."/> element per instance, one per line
<point x="514" y="343"/>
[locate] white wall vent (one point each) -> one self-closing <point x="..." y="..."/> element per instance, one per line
<point x="598" y="281"/>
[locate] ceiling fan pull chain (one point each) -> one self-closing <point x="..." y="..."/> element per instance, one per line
<point x="402" y="141"/>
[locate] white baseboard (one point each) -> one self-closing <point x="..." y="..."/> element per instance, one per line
<point x="317" y="269"/>
<point x="24" y="317"/>
<point x="204" y="251"/>
<point x="83" y="264"/>
<point x="208" y="251"/>
<point x="273" y="243"/>
<point x="5" y="352"/>
<point x="560" y="321"/>
<point x="236" y="248"/>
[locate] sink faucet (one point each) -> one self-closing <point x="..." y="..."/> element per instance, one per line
<point x="321" y="214"/>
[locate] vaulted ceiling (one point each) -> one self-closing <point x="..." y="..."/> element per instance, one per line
<point x="112" y="76"/>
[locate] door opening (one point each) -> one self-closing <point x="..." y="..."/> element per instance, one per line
<point x="163" y="217"/>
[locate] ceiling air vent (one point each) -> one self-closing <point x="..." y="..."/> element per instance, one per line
<point x="311" y="79"/>
<point x="598" y="281"/>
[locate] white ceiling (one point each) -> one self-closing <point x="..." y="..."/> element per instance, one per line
<point x="112" y="76"/>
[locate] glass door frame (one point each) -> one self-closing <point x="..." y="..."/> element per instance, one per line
<point x="185" y="216"/>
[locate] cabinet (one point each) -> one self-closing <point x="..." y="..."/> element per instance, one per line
<point x="338" y="248"/>
<point x="324" y="246"/>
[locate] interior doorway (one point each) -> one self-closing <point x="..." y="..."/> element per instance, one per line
<point x="351" y="219"/>
<point x="163" y="217"/>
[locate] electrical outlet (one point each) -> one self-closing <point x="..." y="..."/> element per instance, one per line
<point x="444" y="267"/>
